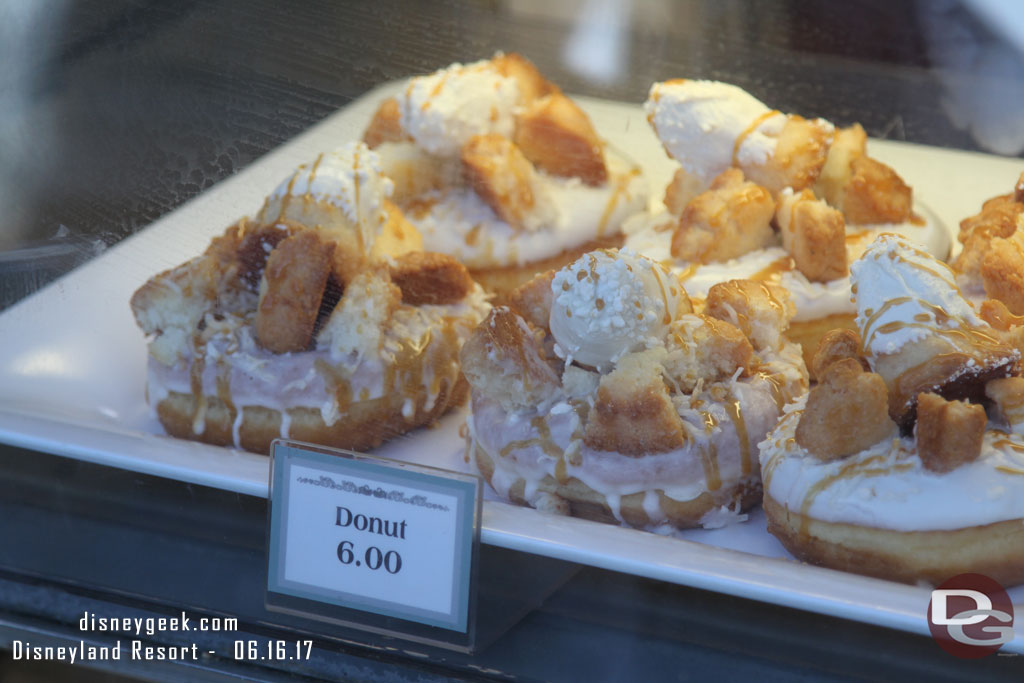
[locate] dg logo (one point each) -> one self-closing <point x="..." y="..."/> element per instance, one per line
<point x="970" y="616"/>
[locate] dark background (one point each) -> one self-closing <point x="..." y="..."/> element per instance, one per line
<point x="113" y="112"/>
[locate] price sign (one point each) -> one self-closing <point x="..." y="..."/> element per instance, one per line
<point x="377" y="538"/>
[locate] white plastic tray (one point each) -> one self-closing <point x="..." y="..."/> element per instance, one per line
<point x="73" y="364"/>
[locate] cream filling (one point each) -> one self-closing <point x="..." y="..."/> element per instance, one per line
<point x="457" y="222"/>
<point x="813" y="300"/>
<point x="231" y="365"/>
<point x="887" y="486"/>
<point x="536" y="444"/>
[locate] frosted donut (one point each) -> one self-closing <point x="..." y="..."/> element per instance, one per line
<point x="858" y="477"/>
<point x="772" y="197"/>
<point x="495" y="166"/>
<point x="599" y="392"/>
<point x="320" y="320"/>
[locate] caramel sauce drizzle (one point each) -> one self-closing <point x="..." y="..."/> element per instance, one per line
<point x="742" y="137"/>
<point x="774" y="270"/>
<point x="688" y="272"/>
<point x="709" y="454"/>
<point x="195" y="379"/>
<point x="864" y="468"/>
<point x="735" y="412"/>
<point x="621" y="186"/>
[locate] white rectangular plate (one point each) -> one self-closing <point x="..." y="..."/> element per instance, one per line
<point x="73" y="367"/>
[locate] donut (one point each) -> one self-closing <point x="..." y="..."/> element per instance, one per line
<point x="497" y="167"/>
<point x="320" y="320"/>
<point x="600" y="392"/>
<point x="770" y="196"/>
<point x="906" y="461"/>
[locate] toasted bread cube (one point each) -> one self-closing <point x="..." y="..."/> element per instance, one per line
<point x="834" y="346"/>
<point x="847" y="144"/>
<point x="505" y="180"/>
<point x="997" y="218"/>
<point x="557" y="136"/>
<point x="532" y="300"/>
<point x="530" y="81"/>
<point x="356" y="326"/>
<point x="1018" y="189"/>
<point x="504" y="359"/>
<point x="876" y="194"/>
<point x="761" y="310"/>
<point x="814" y="234"/>
<point x="949" y="433"/>
<point x="1002" y="272"/>
<point x="705" y="348"/>
<point x="290" y="292"/>
<point x="1008" y="396"/>
<point x="430" y="278"/>
<point x="386" y="125"/>
<point x="634" y="413"/>
<point x="681" y="191"/>
<point x="846" y="413"/>
<point x="800" y="153"/>
<point x="728" y="220"/>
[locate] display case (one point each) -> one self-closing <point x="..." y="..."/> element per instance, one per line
<point x="134" y="132"/>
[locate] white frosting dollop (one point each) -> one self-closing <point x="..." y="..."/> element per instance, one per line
<point x="905" y="295"/>
<point x="348" y="179"/>
<point x="442" y="110"/>
<point x="699" y="123"/>
<point x="607" y="304"/>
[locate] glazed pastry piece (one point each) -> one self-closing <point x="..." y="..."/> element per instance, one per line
<point x="845" y="487"/>
<point x="600" y="392"/>
<point x="320" y="320"/>
<point x="991" y="263"/>
<point x="774" y="197"/>
<point x="496" y="166"/>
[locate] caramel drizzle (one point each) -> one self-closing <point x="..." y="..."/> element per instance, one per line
<point x="862" y="468"/>
<point x="775" y="269"/>
<point x="688" y="272"/>
<point x="621" y="186"/>
<point x="196" y="383"/>
<point x="709" y="454"/>
<point x="968" y="334"/>
<point x="735" y="412"/>
<point x="1007" y="443"/>
<point x="746" y="133"/>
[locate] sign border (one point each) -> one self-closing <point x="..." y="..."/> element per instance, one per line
<point x="465" y="488"/>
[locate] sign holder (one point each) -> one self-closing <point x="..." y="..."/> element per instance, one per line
<point x="373" y="544"/>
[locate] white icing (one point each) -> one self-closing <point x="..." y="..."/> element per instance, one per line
<point x="606" y="305"/>
<point x="459" y="223"/>
<point x="443" y="110"/>
<point x="699" y="122"/>
<point x="897" y="282"/>
<point x="889" y="487"/>
<point x="813" y="300"/>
